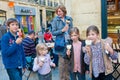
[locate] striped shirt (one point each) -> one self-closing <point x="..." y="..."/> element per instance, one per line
<point x="29" y="46"/>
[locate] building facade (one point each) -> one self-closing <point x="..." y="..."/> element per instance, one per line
<point x="37" y="14"/>
<point x="32" y="14"/>
<point x="84" y="13"/>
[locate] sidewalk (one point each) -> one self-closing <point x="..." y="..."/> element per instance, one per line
<point x="33" y="75"/>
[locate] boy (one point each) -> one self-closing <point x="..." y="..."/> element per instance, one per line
<point x="12" y="51"/>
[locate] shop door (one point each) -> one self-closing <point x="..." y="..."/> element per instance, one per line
<point x="2" y="17"/>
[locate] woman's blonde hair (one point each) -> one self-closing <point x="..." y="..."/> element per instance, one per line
<point x="41" y="47"/>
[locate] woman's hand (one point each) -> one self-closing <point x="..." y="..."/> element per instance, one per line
<point x="65" y="28"/>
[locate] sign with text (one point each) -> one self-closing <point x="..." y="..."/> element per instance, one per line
<point x="20" y="10"/>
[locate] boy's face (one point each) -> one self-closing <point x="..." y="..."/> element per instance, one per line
<point x="13" y="27"/>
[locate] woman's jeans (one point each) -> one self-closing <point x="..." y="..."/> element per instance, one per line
<point x="55" y="59"/>
<point x="77" y="76"/>
<point x="15" y="73"/>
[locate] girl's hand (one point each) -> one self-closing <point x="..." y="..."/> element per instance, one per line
<point x="53" y="65"/>
<point x="68" y="52"/>
<point x="109" y="48"/>
<point x="88" y="50"/>
<point x="40" y="63"/>
<point x="87" y="72"/>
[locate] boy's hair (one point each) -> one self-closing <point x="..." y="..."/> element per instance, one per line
<point x="11" y="20"/>
<point x="92" y="28"/>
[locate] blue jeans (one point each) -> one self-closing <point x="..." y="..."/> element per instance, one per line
<point x="77" y="76"/>
<point x="88" y="77"/>
<point x="14" y="74"/>
<point x="56" y="58"/>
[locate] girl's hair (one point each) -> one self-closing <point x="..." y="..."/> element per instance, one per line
<point x="75" y="30"/>
<point x="41" y="47"/>
<point x="61" y="7"/>
<point x="92" y="28"/>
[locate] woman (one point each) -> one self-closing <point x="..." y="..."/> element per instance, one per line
<point x="61" y="26"/>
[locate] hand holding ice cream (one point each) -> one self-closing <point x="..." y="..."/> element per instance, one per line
<point x="69" y="47"/>
<point x="67" y="21"/>
<point x="42" y="59"/>
<point x="87" y="47"/>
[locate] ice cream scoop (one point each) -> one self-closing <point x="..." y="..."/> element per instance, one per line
<point x="19" y="33"/>
<point x="42" y="59"/>
<point x="88" y="42"/>
<point x="67" y="21"/>
<point x="69" y="46"/>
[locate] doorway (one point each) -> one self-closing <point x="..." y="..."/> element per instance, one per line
<point x="113" y="19"/>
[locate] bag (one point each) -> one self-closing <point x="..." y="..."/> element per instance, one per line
<point x="29" y="61"/>
<point x="60" y="44"/>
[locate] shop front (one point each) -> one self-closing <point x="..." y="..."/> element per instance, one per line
<point x="49" y="15"/>
<point x="26" y="17"/>
<point x="113" y="12"/>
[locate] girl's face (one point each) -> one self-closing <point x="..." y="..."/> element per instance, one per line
<point x="60" y="13"/>
<point x="93" y="36"/>
<point x="43" y="52"/>
<point x="13" y="27"/>
<point x="74" y="37"/>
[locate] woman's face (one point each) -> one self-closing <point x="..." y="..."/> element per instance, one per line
<point x="60" y="13"/>
<point x="93" y="36"/>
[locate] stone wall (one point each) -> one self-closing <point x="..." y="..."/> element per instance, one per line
<point x="85" y="13"/>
